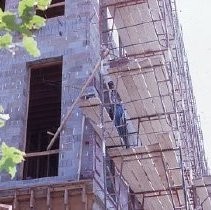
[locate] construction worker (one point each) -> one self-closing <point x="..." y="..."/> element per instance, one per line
<point x="116" y="112"/>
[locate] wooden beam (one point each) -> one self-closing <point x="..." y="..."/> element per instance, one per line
<point x="5" y="207"/>
<point x="69" y="112"/>
<point x="59" y="4"/>
<point x="44" y="63"/>
<point x="44" y="153"/>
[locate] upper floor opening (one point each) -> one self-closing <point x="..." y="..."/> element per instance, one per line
<point x="2" y="4"/>
<point x="57" y="8"/>
<point x="44" y="115"/>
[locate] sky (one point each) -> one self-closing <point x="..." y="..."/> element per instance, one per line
<point x="195" y="17"/>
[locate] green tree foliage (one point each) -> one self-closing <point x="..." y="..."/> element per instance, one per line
<point x="17" y="27"/>
<point x="10" y="156"/>
<point x="3" y="117"/>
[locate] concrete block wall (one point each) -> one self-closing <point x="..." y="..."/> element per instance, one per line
<point x="76" y="38"/>
<point x="69" y="37"/>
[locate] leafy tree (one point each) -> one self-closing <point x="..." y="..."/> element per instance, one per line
<point x="16" y="30"/>
<point x="17" y="27"/>
<point x="10" y="156"/>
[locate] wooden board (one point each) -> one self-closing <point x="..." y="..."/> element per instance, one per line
<point x="170" y="158"/>
<point x="144" y="174"/>
<point x="204" y="192"/>
<point x="91" y="109"/>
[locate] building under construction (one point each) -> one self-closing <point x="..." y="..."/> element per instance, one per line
<point x="106" y="115"/>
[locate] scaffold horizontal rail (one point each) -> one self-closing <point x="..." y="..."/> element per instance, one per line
<point x="149" y="174"/>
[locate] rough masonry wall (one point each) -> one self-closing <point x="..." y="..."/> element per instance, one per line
<point x="76" y="38"/>
<point x="69" y="37"/>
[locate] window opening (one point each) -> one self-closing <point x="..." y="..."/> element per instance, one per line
<point x="44" y="117"/>
<point x="57" y="8"/>
<point x="2" y="4"/>
<point x="110" y="181"/>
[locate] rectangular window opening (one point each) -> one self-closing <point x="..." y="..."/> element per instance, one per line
<point x="44" y="115"/>
<point x="57" y="8"/>
<point x="2" y="4"/>
<point x="110" y="181"/>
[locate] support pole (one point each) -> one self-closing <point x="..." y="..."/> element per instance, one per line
<point x="183" y="180"/>
<point x="81" y="147"/>
<point x="69" y="112"/>
<point x="31" y="203"/>
<point x="15" y="202"/>
<point x="48" y="201"/>
<point x="66" y="199"/>
<point x="104" y="150"/>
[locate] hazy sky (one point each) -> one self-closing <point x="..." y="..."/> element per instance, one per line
<point x="195" y="17"/>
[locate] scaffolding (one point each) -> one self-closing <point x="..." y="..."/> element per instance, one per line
<point x="157" y="148"/>
<point x="143" y="110"/>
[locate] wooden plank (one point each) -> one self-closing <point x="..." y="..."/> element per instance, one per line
<point x="141" y="85"/>
<point x="128" y="92"/>
<point x="170" y="158"/>
<point x="111" y="132"/>
<point x="168" y="103"/>
<point x="128" y="81"/>
<point x="152" y="138"/>
<point x="207" y="180"/>
<point x="158" y="163"/>
<point x="133" y="167"/>
<point x="145" y="32"/>
<point x="151" y="84"/>
<point x="147" y="127"/>
<point x="5" y="207"/>
<point x="159" y="167"/>
<point x="92" y="111"/>
<point x="155" y="10"/>
<point x="140" y="13"/>
<point x="159" y="27"/>
<point x="152" y="174"/>
<point x="202" y="193"/>
<point x="161" y="72"/>
<point x="150" y="107"/>
<point x="144" y="174"/>
<point x="134" y="180"/>
<point x="134" y="94"/>
<point x="156" y="126"/>
<point x="152" y="204"/>
<point x="144" y="139"/>
<point x="165" y="125"/>
<point x="152" y="170"/>
<point x="158" y="104"/>
<point x="125" y="36"/>
<point x="43" y="153"/>
<point x="132" y="31"/>
<point x="165" y="88"/>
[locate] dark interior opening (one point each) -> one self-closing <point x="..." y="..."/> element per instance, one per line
<point x="2" y="4"/>
<point x="110" y="181"/>
<point x="57" y="8"/>
<point x="44" y="116"/>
